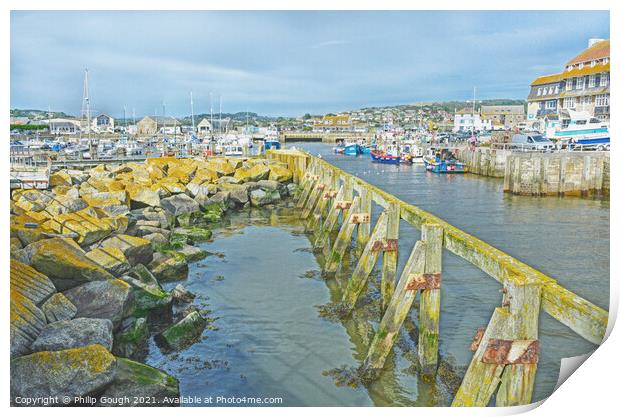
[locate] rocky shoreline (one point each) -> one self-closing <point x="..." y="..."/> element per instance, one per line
<point x="87" y="260"/>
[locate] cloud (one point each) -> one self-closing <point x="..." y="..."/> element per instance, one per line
<point x="285" y="63"/>
<point x="335" y="42"/>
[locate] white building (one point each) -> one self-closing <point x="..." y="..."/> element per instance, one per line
<point x="102" y="123"/>
<point x="64" y="126"/>
<point x="465" y="121"/>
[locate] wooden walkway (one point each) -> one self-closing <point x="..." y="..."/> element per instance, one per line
<point x="336" y="203"/>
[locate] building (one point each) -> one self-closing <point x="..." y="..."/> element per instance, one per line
<point x="583" y="86"/>
<point x="152" y="125"/>
<point x="503" y="116"/>
<point x="332" y="124"/>
<point x="64" y="126"/>
<point x="586" y="79"/>
<point x="19" y="121"/>
<point x="466" y="121"/>
<point x="103" y="123"/>
<point x="204" y="127"/>
<point x="544" y="98"/>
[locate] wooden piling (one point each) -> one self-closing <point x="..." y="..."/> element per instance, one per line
<point x="363" y="230"/>
<point x="390" y="258"/>
<point x="481" y="379"/>
<point x="316" y="192"/>
<point x="517" y="382"/>
<point x="428" y="342"/>
<point x="330" y="222"/>
<point x="344" y="238"/>
<point x="389" y="328"/>
<point x="366" y="263"/>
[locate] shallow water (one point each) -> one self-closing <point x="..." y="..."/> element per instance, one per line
<point x="265" y="287"/>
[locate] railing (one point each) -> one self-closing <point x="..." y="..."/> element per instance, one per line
<point x="506" y="352"/>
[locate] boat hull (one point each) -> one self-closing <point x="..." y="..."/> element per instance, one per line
<point x="384" y="159"/>
<point x="445" y="167"/>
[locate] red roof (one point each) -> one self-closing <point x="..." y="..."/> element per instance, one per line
<point x="599" y="50"/>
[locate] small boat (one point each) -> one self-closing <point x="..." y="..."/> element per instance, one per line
<point x="271" y="141"/>
<point x="385" y="157"/>
<point x="233" y="149"/>
<point x="445" y="166"/>
<point x="352" y="149"/>
<point x="339" y="150"/>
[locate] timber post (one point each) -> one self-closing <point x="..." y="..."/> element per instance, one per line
<point x="363" y="229"/>
<point x="400" y="304"/>
<point x="390" y="258"/>
<point x="344" y="238"/>
<point x="428" y="342"/>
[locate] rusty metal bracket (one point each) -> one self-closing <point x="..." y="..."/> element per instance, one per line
<point x="360" y="218"/>
<point x="475" y="343"/>
<point x="424" y="282"/>
<point x="311" y="177"/>
<point x="320" y="187"/>
<point x="329" y="194"/>
<point x="389" y="245"/>
<point x="511" y="352"/>
<point x="343" y="205"/>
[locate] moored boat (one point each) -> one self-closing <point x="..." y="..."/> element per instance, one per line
<point x="445" y="166"/>
<point x="385" y="157"/>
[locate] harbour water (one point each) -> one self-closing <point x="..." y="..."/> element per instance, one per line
<point x="265" y="287"/>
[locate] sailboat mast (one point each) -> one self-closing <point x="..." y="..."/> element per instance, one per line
<point x="220" y="122"/>
<point x="191" y="104"/>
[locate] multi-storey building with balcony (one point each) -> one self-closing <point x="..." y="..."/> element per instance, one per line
<point x="583" y="86"/>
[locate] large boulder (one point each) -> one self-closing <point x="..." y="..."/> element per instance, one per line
<point x="141" y="196"/>
<point x="30" y="283"/>
<point x="255" y="173"/>
<point x="136" y="249"/>
<point x="192" y="253"/>
<point x="27" y="321"/>
<point x="112" y="260"/>
<point x="131" y="338"/>
<point x="67" y="373"/>
<point x="111" y="299"/>
<point x="169" y="266"/>
<point x="184" y="333"/>
<point x="179" y="204"/>
<point x="280" y="173"/>
<point x="261" y="197"/>
<point x="68" y="334"/>
<point x="60" y="178"/>
<point x="135" y="381"/>
<point x="64" y="262"/>
<point x="85" y="223"/>
<point x="58" y="307"/>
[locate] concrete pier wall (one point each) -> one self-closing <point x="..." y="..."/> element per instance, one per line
<point x="566" y="174"/>
<point x="485" y="161"/>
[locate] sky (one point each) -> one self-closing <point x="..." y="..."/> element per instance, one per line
<point x="285" y="63"/>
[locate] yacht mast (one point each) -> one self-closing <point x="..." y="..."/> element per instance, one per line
<point x="191" y="104"/>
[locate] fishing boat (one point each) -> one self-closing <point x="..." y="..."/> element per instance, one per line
<point x="389" y="156"/>
<point x="352" y="149"/>
<point x="444" y="166"/>
<point x="339" y="150"/>
<point x="272" y="141"/>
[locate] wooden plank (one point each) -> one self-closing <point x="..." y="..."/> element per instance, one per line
<point x="363" y="230"/>
<point x="329" y="224"/>
<point x="517" y="383"/>
<point x="428" y="342"/>
<point x="343" y="240"/>
<point x="481" y="379"/>
<point x="390" y="259"/>
<point x="389" y="328"/>
<point x="365" y="265"/>
<point x="317" y="191"/>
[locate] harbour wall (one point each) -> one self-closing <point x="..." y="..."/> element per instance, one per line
<point x="485" y="161"/>
<point x="582" y="174"/>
